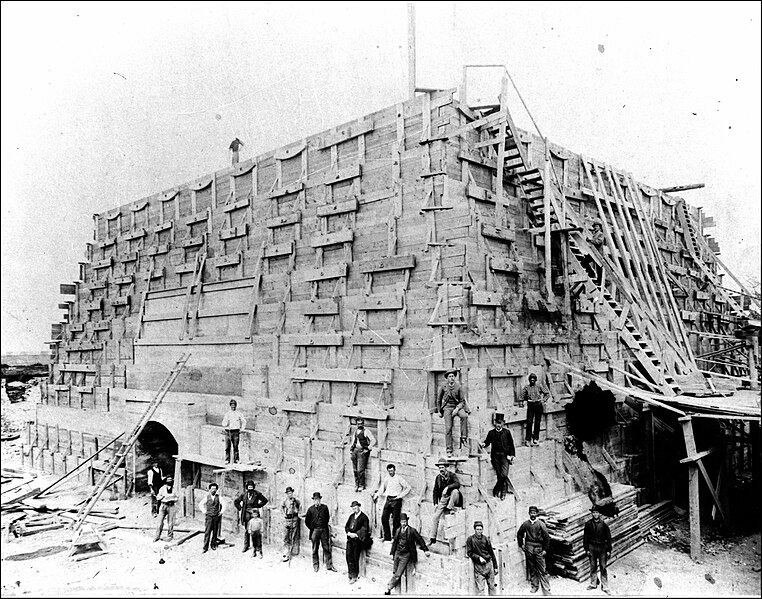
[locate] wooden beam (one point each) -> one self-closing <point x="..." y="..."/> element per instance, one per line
<point x="699" y="455"/>
<point x="682" y="187"/>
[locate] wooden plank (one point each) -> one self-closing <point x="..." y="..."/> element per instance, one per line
<point x="490" y="339"/>
<point x="697" y="456"/>
<point x="391" y="263"/>
<point x="103" y="263"/>
<point x="338" y="237"/>
<point x="128" y="257"/>
<point x="290" y="151"/>
<point x="316" y="339"/>
<point x="244" y="203"/>
<point x="284" y="220"/>
<point x="231" y="260"/>
<point x="321" y="307"/>
<point x="479" y="193"/>
<point x="338" y="208"/>
<point x="592" y="338"/>
<point x="185" y="267"/>
<point x="319" y="274"/>
<point x="162" y="248"/>
<point x="109" y="241"/>
<point x="233" y="232"/>
<point x="125" y="280"/>
<point x="164" y="226"/>
<point x="192" y="242"/>
<point x="345" y="133"/>
<point x="387" y="301"/>
<point x="102" y="325"/>
<point x="295" y="187"/>
<point x="88" y="368"/>
<point x="349" y="172"/>
<point x="136" y="234"/>
<point x="504" y="264"/>
<point x="344" y="375"/>
<point x="499" y="233"/>
<point x="491" y="299"/>
<point x="121" y="300"/>
<point x="375" y="337"/>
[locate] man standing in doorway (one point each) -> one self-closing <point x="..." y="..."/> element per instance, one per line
<point x="404" y="551"/>
<point x="395" y="488"/>
<point x="534" y="397"/>
<point x="533" y="538"/>
<point x="502" y="453"/>
<point x="211" y="506"/>
<point x="597" y="544"/>
<point x="290" y="507"/>
<point x="233" y="423"/>
<point x="155" y="483"/>
<point x="451" y="403"/>
<point x="167" y="500"/>
<point x="362" y="441"/>
<point x="320" y="533"/>
<point x="479" y="549"/>
<point x="446" y="495"/>
<point x="247" y="503"/>
<point x="358" y="532"/>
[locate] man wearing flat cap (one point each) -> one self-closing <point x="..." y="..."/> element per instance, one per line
<point x="290" y="508"/>
<point x="597" y="544"/>
<point x="479" y="549"/>
<point x="358" y="534"/>
<point x="320" y="534"/>
<point x="502" y="453"/>
<point x="404" y="551"/>
<point x="233" y="423"/>
<point x="534" y="540"/>
<point x="167" y="499"/>
<point x="247" y="503"/>
<point x="451" y="403"/>
<point x="362" y="442"/>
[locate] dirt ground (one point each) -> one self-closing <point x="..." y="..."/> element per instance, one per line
<point x="135" y="565"/>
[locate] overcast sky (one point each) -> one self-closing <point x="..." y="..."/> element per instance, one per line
<point x="107" y="102"/>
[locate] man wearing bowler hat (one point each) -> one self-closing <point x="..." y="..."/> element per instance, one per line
<point x="404" y="551"/>
<point x="533" y="538"/>
<point x="358" y="534"/>
<point x="597" y="544"/>
<point x="502" y="453"/>
<point x="320" y="534"/>
<point x="451" y="403"/>
<point x="479" y="549"/>
<point x="233" y="423"/>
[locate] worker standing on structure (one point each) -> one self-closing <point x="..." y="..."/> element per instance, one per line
<point x="290" y="508"/>
<point x="446" y="495"/>
<point x="502" y="454"/>
<point x="362" y="441"/>
<point x="395" y="487"/>
<point x="534" y="540"/>
<point x="247" y="503"/>
<point x="534" y="396"/>
<point x="451" y="403"/>
<point x="235" y="145"/>
<point x="597" y="544"/>
<point x="233" y="423"/>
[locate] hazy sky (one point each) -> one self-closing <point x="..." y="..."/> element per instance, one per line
<point x="106" y="102"/>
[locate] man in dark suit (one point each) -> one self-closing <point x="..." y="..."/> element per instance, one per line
<point x="358" y="533"/>
<point x="502" y="453"/>
<point x="317" y="522"/>
<point x="446" y="495"/>
<point x="597" y="544"/>
<point x="404" y="551"/>
<point x="247" y="503"/>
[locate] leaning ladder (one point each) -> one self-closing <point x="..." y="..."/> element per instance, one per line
<point x="116" y="462"/>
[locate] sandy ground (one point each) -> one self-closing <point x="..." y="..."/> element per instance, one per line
<point x="133" y="565"/>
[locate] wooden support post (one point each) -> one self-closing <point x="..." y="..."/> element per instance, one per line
<point x="693" y="489"/>
<point x="648" y="434"/>
<point x="753" y="356"/>
<point x="546" y="210"/>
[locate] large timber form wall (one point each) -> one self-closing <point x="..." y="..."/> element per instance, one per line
<point x="340" y="276"/>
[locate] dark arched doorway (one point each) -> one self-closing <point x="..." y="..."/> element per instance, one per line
<point x="154" y="443"/>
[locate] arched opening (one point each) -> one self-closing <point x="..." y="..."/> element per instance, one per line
<point x="154" y="443"/>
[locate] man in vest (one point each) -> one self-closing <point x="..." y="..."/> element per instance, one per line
<point x="451" y="403"/>
<point x="167" y="500"/>
<point x="211" y="506"/>
<point x="358" y="534"/>
<point x="233" y="423"/>
<point x="533" y="538"/>
<point x="362" y="441"/>
<point x="247" y="503"/>
<point x="155" y="483"/>
<point x="404" y="551"/>
<point x="479" y="549"/>
<point x="316" y="520"/>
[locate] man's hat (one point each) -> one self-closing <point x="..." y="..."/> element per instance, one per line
<point x="534" y="508"/>
<point x="499" y="418"/>
<point x="478" y="523"/>
<point x="532" y="375"/>
<point x="355" y="503"/>
<point x="289" y="490"/>
<point x="360" y="421"/>
<point x="594" y="509"/>
<point x="316" y="495"/>
<point x="170" y="479"/>
<point x="233" y="402"/>
<point x="442" y="462"/>
<point x="403" y="516"/>
<point x="214" y="485"/>
<point x="451" y="371"/>
<point x="250" y="483"/>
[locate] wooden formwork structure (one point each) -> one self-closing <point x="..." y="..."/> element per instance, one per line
<point x="339" y="276"/>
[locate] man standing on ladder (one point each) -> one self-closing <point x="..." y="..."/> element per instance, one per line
<point x="233" y="423"/>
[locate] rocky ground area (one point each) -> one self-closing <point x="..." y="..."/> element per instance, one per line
<point x="37" y="565"/>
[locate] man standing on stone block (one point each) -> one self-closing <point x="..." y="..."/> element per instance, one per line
<point x="363" y="440"/>
<point x="404" y="551"/>
<point x="167" y="500"/>
<point x="479" y="550"/>
<point x="290" y="507"/>
<point x="233" y="423"/>
<point x="395" y="488"/>
<point x="446" y="495"/>
<point x="533" y="538"/>
<point x="248" y="502"/>
<point x="502" y="453"/>
<point x="597" y="544"/>
<point x="155" y="483"/>
<point x="211" y="506"/>
<point x="534" y="397"/>
<point x="451" y="403"/>
<point x="320" y="533"/>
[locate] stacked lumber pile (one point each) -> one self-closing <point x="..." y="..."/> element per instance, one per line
<point x="649" y="515"/>
<point x="566" y="524"/>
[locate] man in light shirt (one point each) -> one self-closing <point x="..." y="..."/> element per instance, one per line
<point x="233" y="423"/>
<point x="212" y="507"/>
<point x="167" y="499"/>
<point x="395" y="488"/>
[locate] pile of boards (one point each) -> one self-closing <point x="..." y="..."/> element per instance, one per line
<point x="651" y="514"/>
<point x="566" y="524"/>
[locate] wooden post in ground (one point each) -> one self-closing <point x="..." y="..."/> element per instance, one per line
<point x="648" y="430"/>
<point x="753" y="343"/>
<point x="693" y="489"/>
